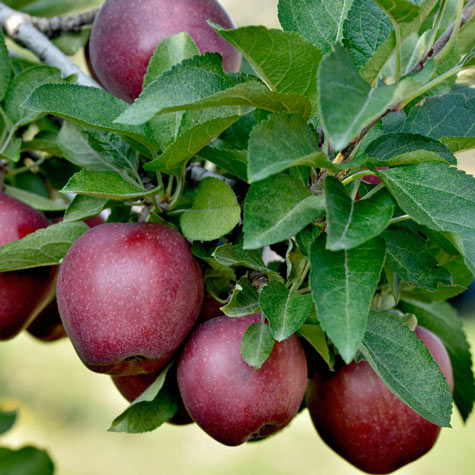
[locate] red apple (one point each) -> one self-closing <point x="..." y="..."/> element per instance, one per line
<point x="23" y="294"/>
<point x="131" y="387"/>
<point x="226" y="397"/>
<point x="359" y="418"/>
<point x="128" y="295"/>
<point x="47" y="326"/>
<point x="125" y="34"/>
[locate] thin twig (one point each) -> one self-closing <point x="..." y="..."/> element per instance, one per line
<point x="467" y="14"/>
<point x="19" y="28"/>
<point x="54" y="26"/>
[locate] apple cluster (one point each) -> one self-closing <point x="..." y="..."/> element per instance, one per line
<point x="130" y="298"/>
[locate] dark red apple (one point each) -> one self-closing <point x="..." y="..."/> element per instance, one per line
<point x="125" y="34"/>
<point x="47" y="326"/>
<point x="359" y="418"/>
<point x="128" y="295"/>
<point x="131" y="387"/>
<point x="23" y="294"/>
<point x="374" y="180"/>
<point x="211" y="309"/>
<point x="227" y="398"/>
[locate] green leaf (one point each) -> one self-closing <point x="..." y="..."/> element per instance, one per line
<point x="365" y="30"/>
<point x="192" y="138"/>
<point x="233" y="161"/>
<point x="13" y="151"/>
<point x="278" y="208"/>
<point x="53" y="7"/>
<point x="25" y="461"/>
<point x="401" y="11"/>
<point x="343" y="284"/>
<point x="45" y="247"/>
<point x="150" y="410"/>
<point x="244" y="301"/>
<point x="257" y="345"/>
<point x="251" y="93"/>
<point x="439" y="197"/>
<point x="449" y="118"/>
<point x="190" y="81"/>
<point x="316" y="337"/>
<point x="235" y="255"/>
<point x="97" y="150"/>
<point x="280" y="142"/>
<point x="215" y="212"/>
<point x="319" y="21"/>
<point x="70" y="42"/>
<point x="7" y="420"/>
<point x="285" y="61"/>
<point x="6" y="71"/>
<point x="408" y="257"/>
<point x="170" y="51"/>
<point x="407" y="368"/>
<point x="461" y="277"/>
<point x="372" y="68"/>
<point x="107" y="185"/>
<point x="20" y="89"/>
<point x="87" y="106"/>
<point x="347" y="101"/>
<point x="35" y="201"/>
<point x="351" y="223"/>
<point x="285" y="310"/>
<point x="442" y="319"/>
<point x="83" y="207"/>
<point x="406" y="149"/>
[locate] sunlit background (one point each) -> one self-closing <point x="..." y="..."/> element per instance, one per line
<point x="67" y="409"/>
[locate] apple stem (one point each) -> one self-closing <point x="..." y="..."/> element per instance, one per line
<point x="18" y="27"/>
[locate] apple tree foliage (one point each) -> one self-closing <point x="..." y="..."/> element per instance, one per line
<point x="277" y="158"/>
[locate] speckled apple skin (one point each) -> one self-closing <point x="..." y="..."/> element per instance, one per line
<point x="360" y="419"/>
<point x="128" y="295"/>
<point x="226" y="397"/>
<point x="131" y="387"/>
<point x="22" y="293"/>
<point x="126" y="33"/>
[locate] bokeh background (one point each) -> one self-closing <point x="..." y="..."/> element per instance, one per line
<point x="67" y="409"/>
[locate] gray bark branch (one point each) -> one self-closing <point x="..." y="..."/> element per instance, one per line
<point x="18" y="27"/>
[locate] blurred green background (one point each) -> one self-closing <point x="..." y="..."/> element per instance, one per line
<point x="67" y="409"/>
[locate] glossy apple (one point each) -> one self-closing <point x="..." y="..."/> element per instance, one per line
<point x="227" y="398"/>
<point x="125" y="34"/>
<point x="47" y="326"/>
<point x="23" y="294"/>
<point x="359" y="418"/>
<point x="128" y="295"/>
<point x="131" y="387"/>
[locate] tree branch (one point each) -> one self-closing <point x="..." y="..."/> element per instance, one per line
<point x="54" y="26"/>
<point x="19" y="28"/>
<point x="467" y="14"/>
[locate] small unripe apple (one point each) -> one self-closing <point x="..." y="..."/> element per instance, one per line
<point x="125" y="34"/>
<point x="128" y="295"/>
<point x="229" y="399"/>
<point x="364" y="422"/>
<point x="23" y="294"/>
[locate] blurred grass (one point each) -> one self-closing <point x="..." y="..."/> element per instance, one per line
<point x="67" y="409"/>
